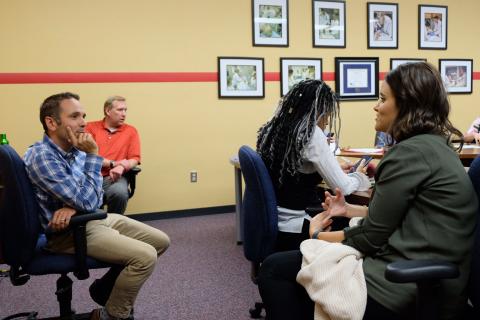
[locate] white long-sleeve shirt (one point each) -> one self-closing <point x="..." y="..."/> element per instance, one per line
<point x="319" y="158"/>
<point x="475" y="123"/>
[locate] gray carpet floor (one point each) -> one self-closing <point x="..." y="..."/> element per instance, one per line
<point x="203" y="276"/>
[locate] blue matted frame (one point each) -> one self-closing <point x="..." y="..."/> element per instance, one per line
<point x="365" y="84"/>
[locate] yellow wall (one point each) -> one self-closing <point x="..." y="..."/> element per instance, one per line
<point x="184" y="126"/>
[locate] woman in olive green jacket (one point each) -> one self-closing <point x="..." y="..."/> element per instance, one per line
<point x="423" y="206"/>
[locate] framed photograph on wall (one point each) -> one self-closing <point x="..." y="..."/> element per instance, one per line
<point x="240" y="77"/>
<point x="328" y="23"/>
<point x="457" y="74"/>
<point x="270" y="23"/>
<point x="432" y="27"/>
<point x="294" y="70"/>
<point x="356" y="78"/>
<point x="395" y="62"/>
<point x="382" y="27"/>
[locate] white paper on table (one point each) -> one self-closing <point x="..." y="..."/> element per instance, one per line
<point x="365" y="150"/>
<point x="471" y="146"/>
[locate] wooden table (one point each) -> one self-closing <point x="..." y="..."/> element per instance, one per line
<point x="354" y="154"/>
<point x="466" y="155"/>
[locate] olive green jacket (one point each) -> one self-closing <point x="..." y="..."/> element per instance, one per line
<point x="423" y="207"/>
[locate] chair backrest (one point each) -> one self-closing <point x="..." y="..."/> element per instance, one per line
<point x="259" y="209"/>
<point x="474" y="282"/>
<point x="19" y="216"/>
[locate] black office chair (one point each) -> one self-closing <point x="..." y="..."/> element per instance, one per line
<point x="259" y="211"/>
<point x="22" y="240"/>
<point x="428" y="274"/>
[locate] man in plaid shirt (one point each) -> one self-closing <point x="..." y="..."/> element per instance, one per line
<point x="64" y="169"/>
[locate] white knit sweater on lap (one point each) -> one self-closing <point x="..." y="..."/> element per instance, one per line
<point x="333" y="276"/>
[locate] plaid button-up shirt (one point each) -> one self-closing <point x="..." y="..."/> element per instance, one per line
<point x="62" y="178"/>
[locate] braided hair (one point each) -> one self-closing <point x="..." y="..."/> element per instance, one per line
<point x="281" y="140"/>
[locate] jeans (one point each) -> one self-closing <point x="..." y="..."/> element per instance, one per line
<point x="116" y="194"/>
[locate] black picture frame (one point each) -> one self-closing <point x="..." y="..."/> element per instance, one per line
<point x="241" y="77"/>
<point x="294" y="70"/>
<point x="356" y="78"/>
<point x="329" y="27"/>
<point x="457" y="75"/>
<point x="432" y="27"/>
<point x="394" y="62"/>
<point x="382" y="25"/>
<point x="270" y="23"/>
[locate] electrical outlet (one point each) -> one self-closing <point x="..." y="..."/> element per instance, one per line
<point x="193" y="176"/>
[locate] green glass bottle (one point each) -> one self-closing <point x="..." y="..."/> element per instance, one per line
<point x="3" y="138"/>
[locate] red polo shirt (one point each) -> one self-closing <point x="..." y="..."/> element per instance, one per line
<point x="124" y="143"/>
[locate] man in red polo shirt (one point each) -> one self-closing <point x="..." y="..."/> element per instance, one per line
<point x="119" y="145"/>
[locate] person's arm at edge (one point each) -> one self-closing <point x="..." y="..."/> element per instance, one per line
<point x="469" y="137"/>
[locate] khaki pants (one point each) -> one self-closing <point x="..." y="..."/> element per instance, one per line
<point x="123" y="241"/>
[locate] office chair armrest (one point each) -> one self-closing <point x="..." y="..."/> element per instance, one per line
<point x="84" y="217"/>
<point x="131" y="177"/>
<point x="78" y="225"/>
<point x="135" y="170"/>
<point x="420" y="271"/>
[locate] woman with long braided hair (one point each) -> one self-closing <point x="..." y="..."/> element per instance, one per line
<point x="297" y="154"/>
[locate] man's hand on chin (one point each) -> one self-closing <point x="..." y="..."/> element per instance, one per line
<point x="82" y="141"/>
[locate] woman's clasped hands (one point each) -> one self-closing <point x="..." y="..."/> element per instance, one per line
<point x="334" y="206"/>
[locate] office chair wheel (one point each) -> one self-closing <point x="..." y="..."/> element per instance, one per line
<point x="256" y="313"/>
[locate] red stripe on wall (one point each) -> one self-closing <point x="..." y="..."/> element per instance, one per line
<point x="111" y="77"/>
<point x="105" y="77"/>
<point x="272" y="76"/>
<point x="328" y="76"/>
